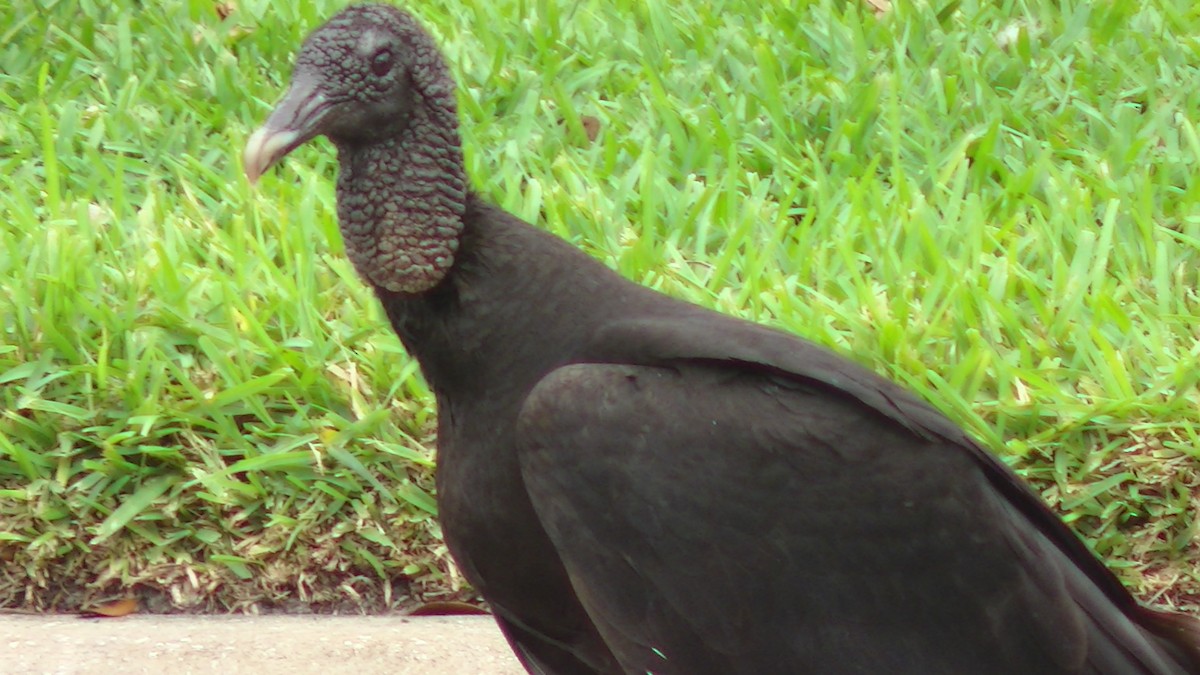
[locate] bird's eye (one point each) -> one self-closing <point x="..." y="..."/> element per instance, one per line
<point x="381" y="63"/>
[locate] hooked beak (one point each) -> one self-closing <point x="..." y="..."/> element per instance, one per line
<point x="296" y="119"/>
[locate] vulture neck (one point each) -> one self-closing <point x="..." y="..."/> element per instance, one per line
<point x="401" y="200"/>
<point x="518" y="303"/>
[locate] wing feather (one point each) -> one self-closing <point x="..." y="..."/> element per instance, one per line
<point x="715" y="518"/>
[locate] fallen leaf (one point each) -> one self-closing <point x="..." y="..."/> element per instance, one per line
<point x="591" y="126"/>
<point x="881" y="7"/>
<point x="122" y="607"/>
<point x="446" y="608"/>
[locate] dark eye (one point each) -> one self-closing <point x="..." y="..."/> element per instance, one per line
<point x="381" y="63"/>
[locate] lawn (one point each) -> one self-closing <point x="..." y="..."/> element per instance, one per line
<point x="995" y="203"/>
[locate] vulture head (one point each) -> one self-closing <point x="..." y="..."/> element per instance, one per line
<point x="373" y="82"/>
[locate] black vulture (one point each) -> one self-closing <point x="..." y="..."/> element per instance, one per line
<point x="640" y="485"/>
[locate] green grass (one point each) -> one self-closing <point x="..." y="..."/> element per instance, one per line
<point x="997" y="204"/>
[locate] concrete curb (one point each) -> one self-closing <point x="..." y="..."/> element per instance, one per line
<point x="255" y="645"/>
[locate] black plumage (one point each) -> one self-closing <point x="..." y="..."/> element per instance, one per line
<point x="637" y="484"/>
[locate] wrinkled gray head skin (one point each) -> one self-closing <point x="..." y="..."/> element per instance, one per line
<point x="372" y="81"/>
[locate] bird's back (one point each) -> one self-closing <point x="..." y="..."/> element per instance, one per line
<point x="731" y="499"/>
